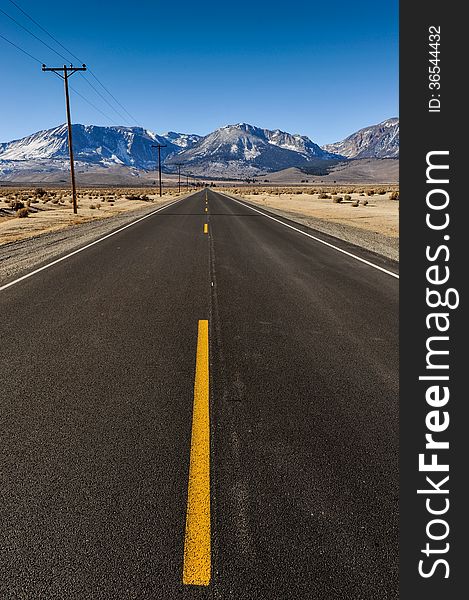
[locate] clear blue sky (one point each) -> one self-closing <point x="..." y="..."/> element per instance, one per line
<point x="322" y="69"/>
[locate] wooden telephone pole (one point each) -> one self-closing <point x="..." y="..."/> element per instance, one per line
<point x="159" y="146"/>
<point x="65" y="72"/>
<point x="179" y="165"/>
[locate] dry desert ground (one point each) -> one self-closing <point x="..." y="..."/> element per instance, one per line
<point x="27" y="213"/>
<point x="365" y="215"/>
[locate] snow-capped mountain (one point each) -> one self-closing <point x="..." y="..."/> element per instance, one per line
<point x="243" y="150"/>
<point x="376" y="141"/>
<point x="239" y="151"/>
<point x="130" y="146"/>
<point x="183" y="140"/>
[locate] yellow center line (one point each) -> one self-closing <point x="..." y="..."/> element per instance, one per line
<point x="205" y="227"/>
<point x="197" y="545"/>
<point x="206" y="209"/>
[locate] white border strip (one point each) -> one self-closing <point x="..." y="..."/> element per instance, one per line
<point x="54" y="262"/>
<point x="367" y="262"/>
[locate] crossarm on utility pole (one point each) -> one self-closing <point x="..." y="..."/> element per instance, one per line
<point x="65" y="72"/>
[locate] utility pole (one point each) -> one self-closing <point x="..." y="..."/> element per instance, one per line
<point x="187" y="181"/>
<point x="179" y="165"/>
<point x="159" y="146"/>
<point x="65" y="72"/>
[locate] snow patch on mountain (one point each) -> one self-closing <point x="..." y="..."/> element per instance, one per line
<point x="183" y="140"/>
<point x="256" y="150"/>
<point x="240" y="150"/>
<point x="131" y="146"/>
<point x="376" y="141"/>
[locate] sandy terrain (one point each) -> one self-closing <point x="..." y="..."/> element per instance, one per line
<point x="53" y="212"/>
<point x="374" y="225"/>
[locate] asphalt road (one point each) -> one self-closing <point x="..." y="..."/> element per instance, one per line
<point x="98" y="359"/>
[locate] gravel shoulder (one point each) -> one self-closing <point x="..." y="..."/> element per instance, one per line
<point x="364" y="237"/>
<point x="19" y="257"/>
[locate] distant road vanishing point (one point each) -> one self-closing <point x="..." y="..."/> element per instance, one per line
<point x="203" y="404"/>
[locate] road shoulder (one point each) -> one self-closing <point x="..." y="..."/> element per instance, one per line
<point x="19" y="257"/>
<point x="377" y="243"/>
<point x="308" y="226"/>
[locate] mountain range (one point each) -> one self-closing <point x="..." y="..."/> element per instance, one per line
<point x="238" y="151"/>
<point x="131" y="146"/>
<point x="244" y="150"/>
<point x="376" y="141"/>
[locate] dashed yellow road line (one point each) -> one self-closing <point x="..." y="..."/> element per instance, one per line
<point x="206" y="209"/>
<point x="205" y="227"/>
<point x="197" y="545"/>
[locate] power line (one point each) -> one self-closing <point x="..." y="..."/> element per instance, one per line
<point x="73" y="89"/>
<point x="93" y="105"/>
<point x="45" y="31"/>
<point x="104" y="98"/>
<point x="86" y="99"/>
<point x="21" y="49"/>
<point x="34" y="35"/>
<point x="76" y="57"/>
<point x="113" y="97"/>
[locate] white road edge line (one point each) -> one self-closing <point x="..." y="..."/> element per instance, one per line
<point x="367" y="262"/>
<point x="54" y="262"/>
